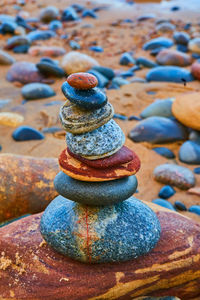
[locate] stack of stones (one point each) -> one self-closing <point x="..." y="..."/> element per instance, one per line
<point x="95" y="219"/>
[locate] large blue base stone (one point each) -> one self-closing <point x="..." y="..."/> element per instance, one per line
<point x="95" y="193"/>
<point x="100" y="234"/>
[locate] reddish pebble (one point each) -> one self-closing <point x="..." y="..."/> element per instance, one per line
<point x="196" y="69"/>
<point x="82" y="81"/>
<point x="124" y="155"/>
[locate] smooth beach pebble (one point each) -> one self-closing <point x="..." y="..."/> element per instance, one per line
<point x="5" y="58"/>
<point x="21" y="49"/>
<point x="194" y="45"/>
<point x="40" y="35"/>
<point x="69" y="14"/>
<point x="186" y="109"/>
<point x="62" y="218"/>
<point x="160" y="108"/>
<point x="169" y="74"/>
<point x="96" y="49"/>
<point x="10" y="119"/>
<point x="77" y="121"/>
<point x="27" y="133"/>
<point x="49" y="13"/>
<point x="189" y="153"/>
<point x="157" y="43"/>
<point x="181" y="37"/>
<point x="89" y="13"/>
<point x="180" y="206"/>
<point x="195" y="209"/>
<point x="163" y="203"/>
<point x="101" y="142"/>
<point x="165" y="27"/>
<point x="82" y="81"/>
<point x="194" y="136"/>
<point x="126" y="59"/>
<point x="147" y="63"/>
<point x="173" y="58"/>
<point x="24" y="72"/>
<point x="17" y="41"/>
<point x="101" y="193"/>
<point x="175" y="175"/>
<point x="74" y="62"/>
<point x="105" y="71"/>
<point x="55" y="25"/>
<point x="197" y="170"/>
<point x="87" y="99"/>
<point x="51" y="51"/>
<point x="166" y="192"/>
<point x="158" y="130"/>
<point x="195" y="69"/>
<point x="34" y="91"/>
<point x="74" y="45"/>
<point x="163" y="151"/>
<point x="50" y="69"/>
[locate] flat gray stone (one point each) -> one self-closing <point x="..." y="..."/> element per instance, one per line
<point x="101" y="142"/>
<point x="95" y="193"/>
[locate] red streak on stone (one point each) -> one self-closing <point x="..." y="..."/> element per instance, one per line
<point x="87" y="231"/>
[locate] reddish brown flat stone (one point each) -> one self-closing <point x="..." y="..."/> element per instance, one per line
<point x="124" y="155"/>
<point x="195" y="69"/>
<point x="82" y="81"/>
<point x="26" y="184"/>
<point x="79" y="170"/>
<point x="30" y="269"/>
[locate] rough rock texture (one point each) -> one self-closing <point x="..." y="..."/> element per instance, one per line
<point x="186" y="108"/>
<point x="172" y="268"/>
<point x="26" y="184"/>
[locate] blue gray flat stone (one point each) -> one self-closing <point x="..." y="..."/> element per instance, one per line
<point x="169" y="74"/>
<point x="95" y="193"/>
<point x="189" y="153"/>
<point x="101" y="234"/>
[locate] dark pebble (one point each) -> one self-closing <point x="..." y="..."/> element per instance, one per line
<point x="26" y="133"/>
<point x="0" y="147"/>
<point x="155" y="51"/>
<point x="21" y="49"/>
<point x="8" y="27"/>
<point x="169" y="74"/>
<point x="50" y="69"/>
<point x="69" y="14"/>
<point x="196" y="55"/>
<point x="146" y="17"/>
<point x="77" y="7"/>
<point x="40" y="35"/>
<point x="195" y="209"/>
<point x="17" y="41"/>
<point x="127" y="74"/>
<point x="147" y="63"/>
<point x="87" y="99"/>
<point x="182" y="48"/>
<point x="89" y="13"/>
<point x="105" y="71"/>
<point x="163" y="203"/>
<point x="119" y="81"/>
<point x="195" y="136"/>
<point x="157" y="43"/>
<point x="180" y="206"/>
<point x="120" y="117"/>
<point x="134" y="118"/>
<point x="166" y="192"/>
<point x="197" y="170"/>
<point x="55" y="25"/>
<point x="175" y="8"/>
<point x="126" y="59"/>
<point x="164" y="152"/>
<point x="158" y="130"/>
<point x="36" y="90"/>
<point x="96" y="49"/>
<point x="181" y="37"/>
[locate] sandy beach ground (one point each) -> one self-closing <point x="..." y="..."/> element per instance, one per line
<point x="115" y="37"/>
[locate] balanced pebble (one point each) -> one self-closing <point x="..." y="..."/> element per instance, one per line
<point x="82" y="81"/>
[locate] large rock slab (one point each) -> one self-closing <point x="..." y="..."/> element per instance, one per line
<point x="172" y="268"/>
<point x="26" y="184"/>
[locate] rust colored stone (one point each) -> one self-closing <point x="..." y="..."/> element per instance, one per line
<point x="26" y="184"/>
<point x="173" y="58"/>
<point x="30" y="269"/>
<point x="124" y="155"/>
<point x="195" y="69"/>
<point x="26" y="72"/>
<point x="79" y="170"/>
<point x="82" y="81"/>
<point x="52" y="51"/>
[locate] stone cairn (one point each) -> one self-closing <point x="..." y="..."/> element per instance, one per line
<point x="95" y="219"/>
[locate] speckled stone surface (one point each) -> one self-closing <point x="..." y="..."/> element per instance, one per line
<point x="88" y="99"/>
<point x="95" y="193"/>
<point x="82" y="81"/>
<point x="100" y="234"/>
<point x="77" y="121"/>
<point x="101" y="142"/>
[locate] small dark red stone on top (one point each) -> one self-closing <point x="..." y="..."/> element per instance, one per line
<point x="82" y="81"/>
